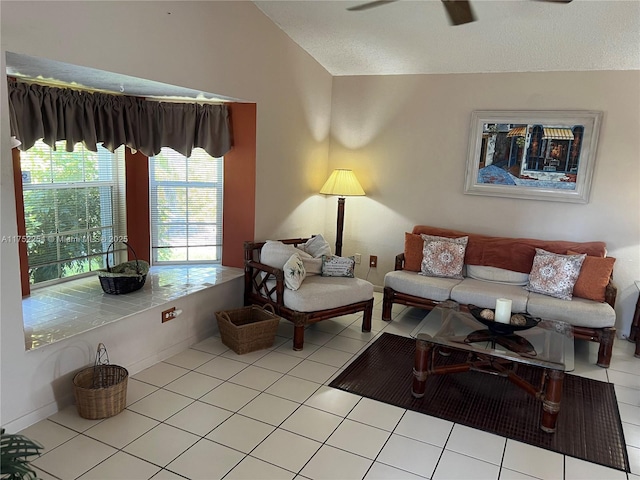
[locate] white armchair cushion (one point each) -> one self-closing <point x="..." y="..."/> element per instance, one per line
<point x="275" y="253"/>
<point x="313" y="266"/>
<point x="321" y="293"/>
<point x="317" y="246"/>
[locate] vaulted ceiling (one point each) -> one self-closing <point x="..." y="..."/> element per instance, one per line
<point x="415" y="37"/>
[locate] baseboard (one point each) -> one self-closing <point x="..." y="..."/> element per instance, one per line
<point x="54" y="407"/>
<point x="166" y="353"/>
<point x="37" y="415"/>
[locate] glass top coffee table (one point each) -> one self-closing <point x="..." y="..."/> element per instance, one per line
<point x="548" y="346"/>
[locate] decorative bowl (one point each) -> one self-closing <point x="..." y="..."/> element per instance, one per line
<point x="502" y="328"/>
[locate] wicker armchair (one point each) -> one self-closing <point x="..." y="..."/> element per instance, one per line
<point x="265" y="285"/>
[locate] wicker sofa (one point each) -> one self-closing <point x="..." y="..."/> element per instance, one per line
<point x="498" y="267"/>
<point x="317" y="298"/>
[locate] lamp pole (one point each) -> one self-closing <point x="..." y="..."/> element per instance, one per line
<point x="342" y="182"/>
<point x="340" y="226"/>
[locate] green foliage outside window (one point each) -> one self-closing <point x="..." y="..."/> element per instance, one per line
<point x="68" y="210"/>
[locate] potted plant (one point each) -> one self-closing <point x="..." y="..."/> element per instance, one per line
<point x="15" y="451"/>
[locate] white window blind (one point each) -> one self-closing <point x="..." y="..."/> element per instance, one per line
<point x="186" y="207"/>
<point x="74" y="207"/>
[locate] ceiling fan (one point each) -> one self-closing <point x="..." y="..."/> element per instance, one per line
<point x="458" y="11"/>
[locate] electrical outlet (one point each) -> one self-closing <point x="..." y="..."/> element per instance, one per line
<point x="373" y="261"/>
<point x="358" y="258"/>
<point x="168" y="314"/>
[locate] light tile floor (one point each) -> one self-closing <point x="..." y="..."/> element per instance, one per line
<point x="208" y="413"/>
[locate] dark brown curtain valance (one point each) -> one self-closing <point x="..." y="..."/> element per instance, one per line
<point x="54" y="114"/>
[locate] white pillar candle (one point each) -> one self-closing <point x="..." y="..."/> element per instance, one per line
<point x="503" y="310"/>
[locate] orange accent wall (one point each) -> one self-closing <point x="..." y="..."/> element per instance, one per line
<point x="238" y="221"/>
<point x="137" y="191"/>
<point x="22" y="228"/>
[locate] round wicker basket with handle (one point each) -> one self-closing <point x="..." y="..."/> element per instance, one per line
<point x="100" y="391"/>
<point x="125" y="277"/>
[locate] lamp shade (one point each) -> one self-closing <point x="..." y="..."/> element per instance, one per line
<point x="342" y="182"/>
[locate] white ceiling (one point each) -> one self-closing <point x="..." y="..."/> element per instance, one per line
<point x="415" y="37"/>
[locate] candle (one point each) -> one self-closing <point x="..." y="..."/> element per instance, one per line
<point x="503" y="310"/>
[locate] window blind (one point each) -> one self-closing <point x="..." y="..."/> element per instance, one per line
<point x="73" y="209"/>
<point x="186" y="207"/>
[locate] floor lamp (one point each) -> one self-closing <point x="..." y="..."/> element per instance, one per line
<point x="343" y="183"/>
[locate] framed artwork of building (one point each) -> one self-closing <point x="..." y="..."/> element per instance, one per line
<point x="538" y="155"/>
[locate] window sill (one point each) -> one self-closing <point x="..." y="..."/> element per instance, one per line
<point x="54" y="313"/>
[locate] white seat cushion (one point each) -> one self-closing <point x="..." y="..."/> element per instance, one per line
<point x="497" y="275"/>
<point x="437" y="289"/>
<point x="577" y="311"/>
<point x="322" y="293"/>
<point x="484" y="294"/>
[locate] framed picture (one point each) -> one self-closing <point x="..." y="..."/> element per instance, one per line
<point x="538" y="155"/>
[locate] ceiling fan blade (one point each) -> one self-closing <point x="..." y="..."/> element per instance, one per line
<point x="368" y="5"/>
<point x="459" y="11"/>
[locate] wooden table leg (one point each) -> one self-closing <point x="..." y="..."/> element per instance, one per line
<point x="420" y="368"/>
<point x="551" y="400"/>
<point x="634" y="334"/>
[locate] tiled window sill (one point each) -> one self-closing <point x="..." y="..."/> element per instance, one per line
<point x="67" y="309"/>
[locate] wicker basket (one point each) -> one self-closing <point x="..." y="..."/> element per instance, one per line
<point x="248" y="329"/>
<point x="125" y="277"/>
<point x="101" y="390"/>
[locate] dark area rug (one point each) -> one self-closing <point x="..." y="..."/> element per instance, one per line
<point x="588" y="425"/>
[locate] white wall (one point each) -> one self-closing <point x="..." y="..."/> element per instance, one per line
<point x="226" y="48"/>
<point x="406" y="137"/>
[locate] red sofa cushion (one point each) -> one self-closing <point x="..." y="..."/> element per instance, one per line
<point x="504" y="252"/>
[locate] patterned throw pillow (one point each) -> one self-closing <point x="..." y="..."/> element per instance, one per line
<point x="554" y="274"/>
<point x="442" y="256"/>
<point x="334" y="266"/>
<point x="294" y="272"/>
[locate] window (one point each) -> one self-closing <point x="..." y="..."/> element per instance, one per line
<point x="73" y="209"/>
<point x="186" y="207"/>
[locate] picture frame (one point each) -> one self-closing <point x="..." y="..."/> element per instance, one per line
<point x="534" y="155"/>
